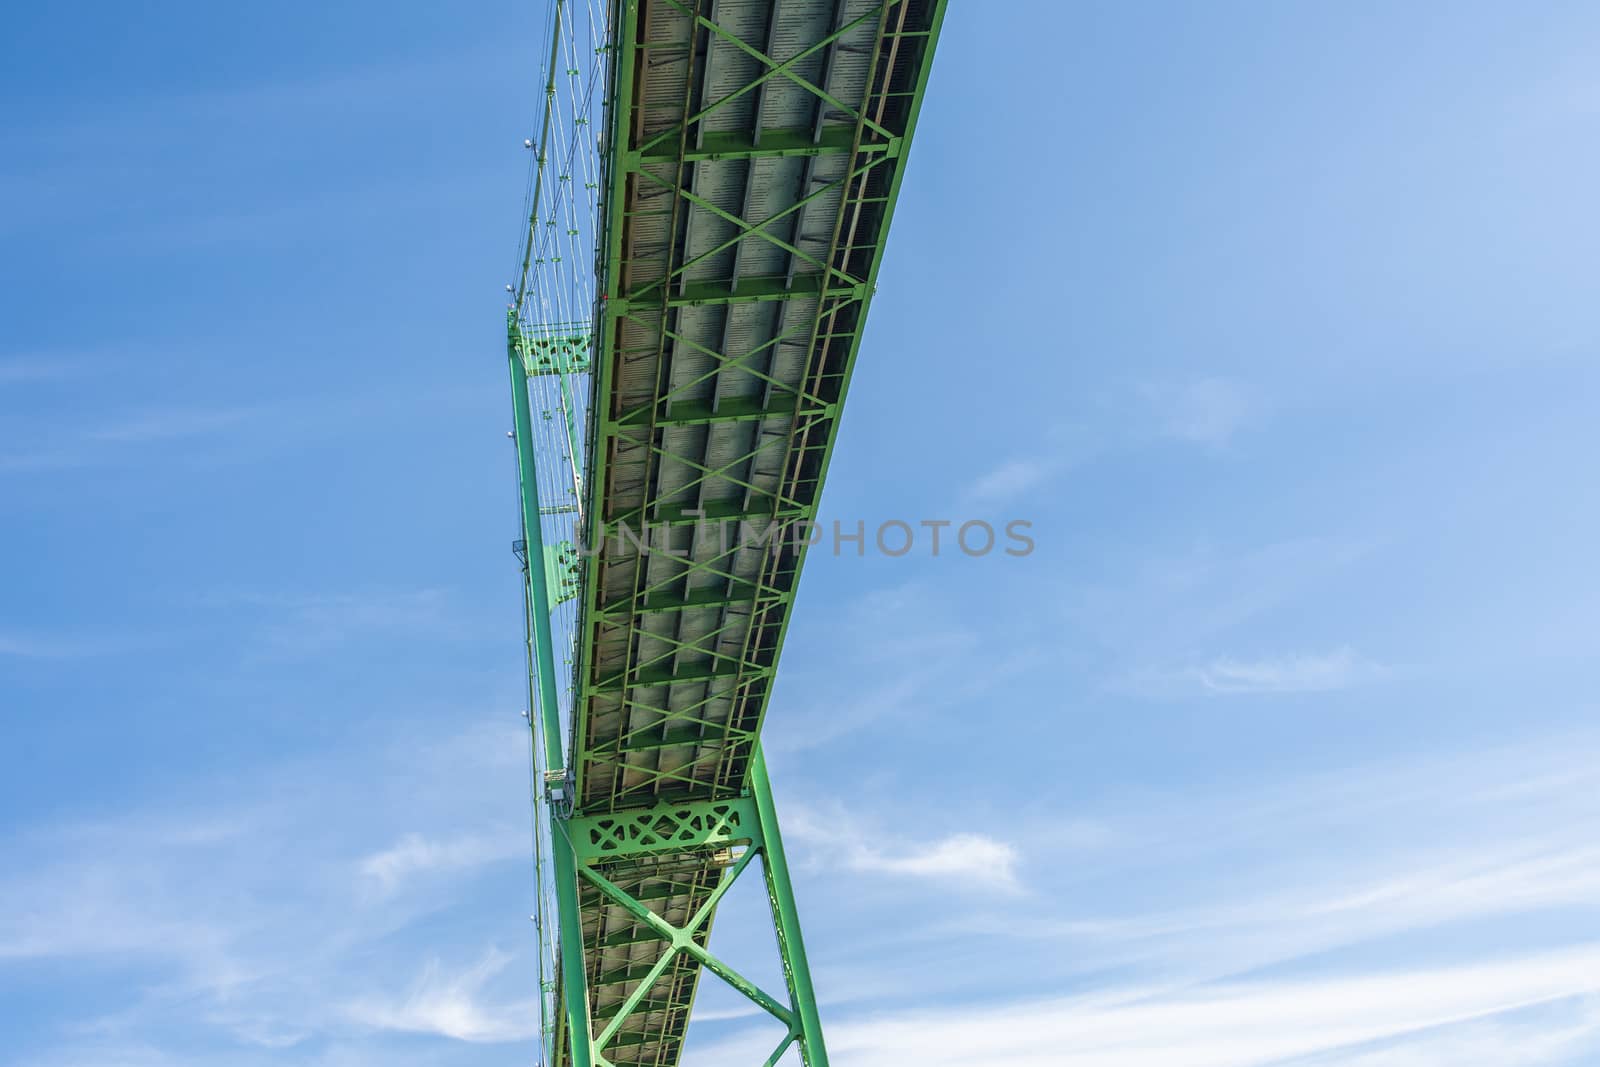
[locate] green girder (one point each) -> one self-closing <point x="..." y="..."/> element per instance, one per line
<point x="744" y="210"/>
<point x="562" y="571"/>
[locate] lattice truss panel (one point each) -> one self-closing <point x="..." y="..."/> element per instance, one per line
<point x="743" y="246"/>
<point x="752" y="152"/>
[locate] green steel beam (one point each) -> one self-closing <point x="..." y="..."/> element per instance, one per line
<point x="775" y="69"/>
<point x="740" y="363"/>
<point x="925" y="69"/>
<point x="651" y="744"/>
<point x="664" y="828"/>
<point x="786" y="918"/>
<point x="711" y="293"/>
<point x="774" y="144"/>
<point x="743" y="596"/>
<point x="612" y="850"/>
<point x="786" y="68"/>
<point x="624" y="21"/>
<point x="645" y="1007"/>
<point x="762" y="836"/>
<point x="746" y="229"/>
<point x="560" y="349"/>
<point x="715" y="511"/>
<point x="738" y="595"/>
<point x="710" y="567"/>
<point x="542" y="655"/>
<point x="682" y="939"/>
<point x="803" y="419"/>
<point x="626" y="975"/>
<point x="636" y="936"/>
<point x="699" y="413"/>
<point x="651" y="679"/>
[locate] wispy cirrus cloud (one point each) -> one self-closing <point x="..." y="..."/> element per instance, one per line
<point x="1390" y="1016"/>
<point x="415" y="855"/>
<point x="968" y="859"/>
<point x="452" y="1004"/>
<point x="1405" y="848"/>
<point x="238" y="921"/>
<point x="1204" y="411"/>
<point x="1366" y="951"/>
<point x="1303" y="673"/>
<point x="1011" y="479"/>
<point x="117" y="439"/>
<point x="102" y="890"/>
<point x="1157" y="622"/>
<point x="962" y="858"/>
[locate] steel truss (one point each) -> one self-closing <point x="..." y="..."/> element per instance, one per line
<point x="754" y="151"/>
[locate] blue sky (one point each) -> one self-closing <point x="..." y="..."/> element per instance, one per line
<point x="1277" y="321"/>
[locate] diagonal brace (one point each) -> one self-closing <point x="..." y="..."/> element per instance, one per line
<point x="783" y="68"/>
<point x="682" y="940"/>
<point x="774" y="67"/>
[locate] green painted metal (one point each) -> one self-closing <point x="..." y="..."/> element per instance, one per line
<point x="543" y="677"/>
<point x="664" y="828"/>
<point x="562" y="349"/>
<point x="753" y="152"/>
<point x="561" y="571"/>
<point x="786" y="918"/>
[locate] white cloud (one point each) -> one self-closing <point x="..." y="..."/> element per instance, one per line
<point x="414" y="854"/>
<point x="1010" y="479"/>
<point x="452" y="1006"/>
<point x="1353" y="901"/>
<point x="103" y="890"/>
<point x="1205" y="411"/>
<point x="962" y="858"/>
<point x="1288" y="674"/>
<point x="236" y="923"/>
<point x="1146" y="617"/>
<point x="1337" y="1018"/>
<point x="1405" y="858"/>
<point x="966" y="859"/>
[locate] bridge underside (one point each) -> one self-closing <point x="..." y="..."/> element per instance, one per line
<point x="753" y="154"/>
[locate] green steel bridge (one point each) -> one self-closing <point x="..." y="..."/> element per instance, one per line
<point x="709" y="194"/>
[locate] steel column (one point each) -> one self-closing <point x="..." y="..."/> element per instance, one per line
<point x="719" y="372"/>
<point x="542" y="654"/>
<point x="786" y="917"/>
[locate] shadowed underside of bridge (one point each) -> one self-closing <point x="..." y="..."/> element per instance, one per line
<point x="752" y="153"/>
